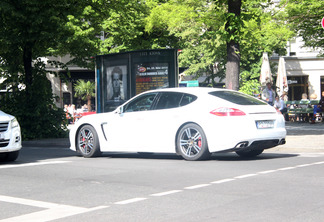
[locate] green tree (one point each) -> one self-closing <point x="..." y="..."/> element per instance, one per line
<point x="86" y="90"/>
<point x="305" y="18"/>
<point x="206" y="30"/>
<point x="31" y="29"/>
<point x="264" y="30"/>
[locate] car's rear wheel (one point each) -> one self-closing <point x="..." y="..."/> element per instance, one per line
<point x="192" y="142"/>
<point x="249" y="153"/>
<point x="88" y="142"/>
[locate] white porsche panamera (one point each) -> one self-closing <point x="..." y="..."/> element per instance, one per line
<point x="192" y="122"/>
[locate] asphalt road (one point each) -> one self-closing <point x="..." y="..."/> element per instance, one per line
<point x="51" y="183"/>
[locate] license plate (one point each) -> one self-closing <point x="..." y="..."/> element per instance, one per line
<point x="265" y="124"/>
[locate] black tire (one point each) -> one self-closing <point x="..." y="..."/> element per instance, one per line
<point x="192" y="143"/>
<point x="12" y="156"/>
<point x="3" y="157"/>
<point x="87" y="142"/>
<point x="250" y="153"/>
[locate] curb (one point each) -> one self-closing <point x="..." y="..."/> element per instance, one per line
<point x="46" y="143"/>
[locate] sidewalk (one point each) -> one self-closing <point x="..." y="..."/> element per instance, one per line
<point x="301" y="137"/>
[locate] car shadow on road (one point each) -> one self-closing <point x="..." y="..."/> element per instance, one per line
<point x="217" y="157"/>
<point x="28" y="154"/>
<point x="263" y="156"/>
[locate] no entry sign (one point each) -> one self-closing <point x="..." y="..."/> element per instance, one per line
<point x="323" y="22"/>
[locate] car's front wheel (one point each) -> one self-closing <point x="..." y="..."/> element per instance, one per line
<point x="88" y="142"/>
<point x="192" y="142"/>
<point x="250" y="153"/>
<point x="9" y="157"/>
<point x="12" y="156"/>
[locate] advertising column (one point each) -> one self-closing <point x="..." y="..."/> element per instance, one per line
<point x="121" y="76"/>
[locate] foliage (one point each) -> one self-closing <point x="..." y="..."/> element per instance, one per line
<point x="86" y="90"/>
<point x="29" y="30"/>
<point x="200" y="27"/>
<point x="305" y="18"/>
<point x="264" y="30"/>
<point x="37" y="119"/>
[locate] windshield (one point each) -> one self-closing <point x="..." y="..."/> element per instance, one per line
<point x="237" y="98"/>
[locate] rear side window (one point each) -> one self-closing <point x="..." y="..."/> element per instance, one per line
<point x="237" y="98"/>
<point x="187" y="98"/>
<point x="169" y="100"/>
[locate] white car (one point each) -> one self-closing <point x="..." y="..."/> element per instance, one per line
<point x="192" y="122"/>
<point x="10" y="137"/>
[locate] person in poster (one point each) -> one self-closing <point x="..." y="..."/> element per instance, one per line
<point x="116" y="83"/>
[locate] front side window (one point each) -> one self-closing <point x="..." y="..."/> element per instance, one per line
<point x="237" y="98"/>
<point x="141" y="103"/>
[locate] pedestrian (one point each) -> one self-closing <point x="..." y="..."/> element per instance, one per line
<point x="281" y="106"/>
<point x="268" y="94"/>
<point x="318" y="108"/>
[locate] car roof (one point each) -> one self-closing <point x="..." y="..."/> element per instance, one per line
<point x="191" y="90"/>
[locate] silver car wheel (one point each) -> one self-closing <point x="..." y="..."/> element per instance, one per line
<point x="87" y="141"/>
<point x="192" y="142"/>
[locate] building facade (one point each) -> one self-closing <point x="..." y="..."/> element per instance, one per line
<point x="305" y="70"/>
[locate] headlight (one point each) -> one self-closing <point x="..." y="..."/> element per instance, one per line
<point x="14" y="123"/>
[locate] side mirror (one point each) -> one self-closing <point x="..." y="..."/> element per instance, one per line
<point x="119" y="110"/>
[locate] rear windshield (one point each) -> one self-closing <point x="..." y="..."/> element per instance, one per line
<point x="237" y="98"/>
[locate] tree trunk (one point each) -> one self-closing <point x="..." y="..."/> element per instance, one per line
<point x="233" y="48"/>
<point x="27" y="56"/>
<point x="89" y="104"/>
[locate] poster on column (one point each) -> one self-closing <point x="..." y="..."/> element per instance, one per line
<point x="116" y="84"/>
<point x="151" y="76"/>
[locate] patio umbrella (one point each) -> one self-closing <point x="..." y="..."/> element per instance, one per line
<point x="265" y="75"/>
<point x="282" y="83"/>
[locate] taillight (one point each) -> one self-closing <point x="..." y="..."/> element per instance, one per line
<point x="224" y="111"/>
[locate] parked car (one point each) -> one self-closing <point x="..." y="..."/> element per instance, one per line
<point x="192" y="122"/>
<point x="10" y="137"/>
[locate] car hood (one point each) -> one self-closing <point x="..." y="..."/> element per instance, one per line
<point x="5" y="117"/>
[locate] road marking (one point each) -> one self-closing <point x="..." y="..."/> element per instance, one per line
<point x="267" y="171"/>
<point x="133" y="200"/>
<point x="31" y="164"/>
<point x="34" y="203"/>
<point x="317" y="163"/>
<point x="165" y="193"/>
<point x="310" y="154"/>
<point x="197" y="186"/>
<point x="222" y="181"/>
<point x="52" y="211"/>
<point x="245" y="176"/>
<point x="304" y="165"/>
<point x="286" y="168"/>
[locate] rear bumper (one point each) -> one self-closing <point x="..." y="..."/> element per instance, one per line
<point x="256" y="145"/>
